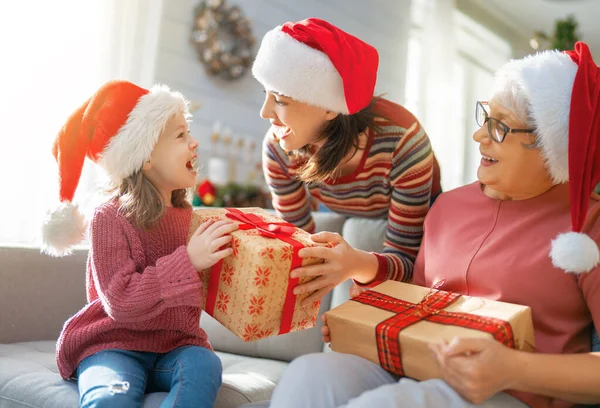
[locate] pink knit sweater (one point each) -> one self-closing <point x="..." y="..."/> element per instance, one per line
<point x="143" y="292"/>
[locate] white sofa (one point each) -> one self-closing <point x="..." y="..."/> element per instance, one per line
<point x="38" y="293"/>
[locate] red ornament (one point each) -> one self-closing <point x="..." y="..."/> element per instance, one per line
<point x="207" y="192"/>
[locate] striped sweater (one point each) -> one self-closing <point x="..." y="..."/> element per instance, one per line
<point x="395" y="179"/>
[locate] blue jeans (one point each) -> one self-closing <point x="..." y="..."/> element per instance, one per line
<point x="120" y="378"/>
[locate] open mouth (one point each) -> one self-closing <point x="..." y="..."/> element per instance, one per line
<point x="281" y="132"/>
<point x="489" y="159"/>
<point x="192" y="165"/>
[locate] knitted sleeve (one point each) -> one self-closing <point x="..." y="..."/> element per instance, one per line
<point x="129" y="293"/>
<point x="290" y="196"/>
<point x="411" y="177"/>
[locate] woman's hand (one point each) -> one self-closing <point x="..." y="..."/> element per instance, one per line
<point x="341" y="262"/>
<point x="476" y="368"/>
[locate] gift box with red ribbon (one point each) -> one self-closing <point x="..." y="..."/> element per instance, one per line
<point x="251" y="291"/>
<point x="393" y="323"/>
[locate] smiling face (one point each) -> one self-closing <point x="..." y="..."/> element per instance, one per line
<point x="509" y="170"/>
<point x="295" y="124"/>
<point x="172" y="165"/>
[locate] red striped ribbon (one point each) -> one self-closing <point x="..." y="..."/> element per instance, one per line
<point x="430" y="309"/>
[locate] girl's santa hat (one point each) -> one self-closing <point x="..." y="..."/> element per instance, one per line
<point x="117" y="128"/>
<point x="563" y="91"/>
<point x="315" y="62"/>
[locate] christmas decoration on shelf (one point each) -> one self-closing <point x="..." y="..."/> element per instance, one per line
<point x="207" y="193"/>
<point x="223" y="38"/>
<point x="564" y="37"/>
<point x="230" y="195"/>
<point x="233" y="175"/>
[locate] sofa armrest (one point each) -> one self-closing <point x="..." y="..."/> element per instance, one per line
<point x="38" y="293"/>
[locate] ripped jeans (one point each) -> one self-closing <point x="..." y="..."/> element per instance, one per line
<point x="120" y="378"/>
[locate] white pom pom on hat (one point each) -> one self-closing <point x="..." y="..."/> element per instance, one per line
<point x="117" y="128"/>
<point x="574" y="252"/>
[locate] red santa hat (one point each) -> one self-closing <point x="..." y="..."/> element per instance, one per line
<point x="117" y="128"/>
<point x="563" y="92"/>
<point x="315" y="62"/>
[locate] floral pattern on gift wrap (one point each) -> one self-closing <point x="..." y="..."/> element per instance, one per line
<point x="304" y="323"/>
<point x="287" y="253"/>
<point x="268" y="253"/>
<point x="256" y="305"/>
<point x="235" y="245"/>
<point x="222" y="302"/>
<point x="227" y="274"/>
<point x="262" y="276"/>
<point x="253" y="332"/>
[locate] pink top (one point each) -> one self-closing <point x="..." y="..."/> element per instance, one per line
<point x="499" y="250"/>
<point x="143" y="292"/>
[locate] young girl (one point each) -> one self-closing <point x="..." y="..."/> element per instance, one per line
<point x="333" y="142"/>
<point x="140" y="329"/>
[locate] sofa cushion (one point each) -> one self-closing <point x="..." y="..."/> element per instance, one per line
<point x="29" y="378"/>
<point x="56" y="284"/>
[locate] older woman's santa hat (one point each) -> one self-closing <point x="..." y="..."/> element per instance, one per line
<point x="563" y="92"/>
<point x="315" y="62"/>
<point x="117" y="128"/>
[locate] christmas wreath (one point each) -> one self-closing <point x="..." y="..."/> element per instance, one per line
<point x="223" y="38"/>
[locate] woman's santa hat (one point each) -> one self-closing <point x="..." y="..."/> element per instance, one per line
<point x="315" y="62"/>
<point x="563" y="91"/>
<point x="117" y="128"/>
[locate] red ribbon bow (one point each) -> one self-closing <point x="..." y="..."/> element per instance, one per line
<point x="266" y="229"/>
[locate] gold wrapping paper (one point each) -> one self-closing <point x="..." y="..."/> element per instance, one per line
<point x="253" y="282"/>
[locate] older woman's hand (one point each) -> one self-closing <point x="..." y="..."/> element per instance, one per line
<point x="341" y="262"/>
<point x="476" y="368"/>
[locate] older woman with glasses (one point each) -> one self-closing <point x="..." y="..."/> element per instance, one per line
<point x="527" y="232"/>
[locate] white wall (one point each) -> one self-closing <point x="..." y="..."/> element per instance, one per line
<point x="382" y="23"/>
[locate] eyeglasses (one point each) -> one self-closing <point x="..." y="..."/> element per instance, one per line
<point x="496" y="129"/>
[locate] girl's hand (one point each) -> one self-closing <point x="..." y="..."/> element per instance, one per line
<point x="341" y="262"/>
<point x="476" y="368"/>
<point x="205" y="246"/>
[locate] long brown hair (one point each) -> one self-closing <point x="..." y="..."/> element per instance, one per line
<point x="141" y="202"/>
<point x="341" y="137"/>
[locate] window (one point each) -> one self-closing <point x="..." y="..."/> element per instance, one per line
<point x="451" y="63"/>
<point x="58" y="53"/>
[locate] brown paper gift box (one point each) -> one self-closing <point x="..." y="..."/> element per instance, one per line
<point x="398" y="340"/>
<point x="249" y="292"/>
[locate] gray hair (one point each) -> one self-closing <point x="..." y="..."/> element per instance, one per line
<point x="513" y="98"/>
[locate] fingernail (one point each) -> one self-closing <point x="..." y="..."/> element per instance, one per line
<point x="293" y="275"/>
<point x="296" y="291"/>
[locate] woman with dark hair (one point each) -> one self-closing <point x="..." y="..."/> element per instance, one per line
<point x="332" y="142"/>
